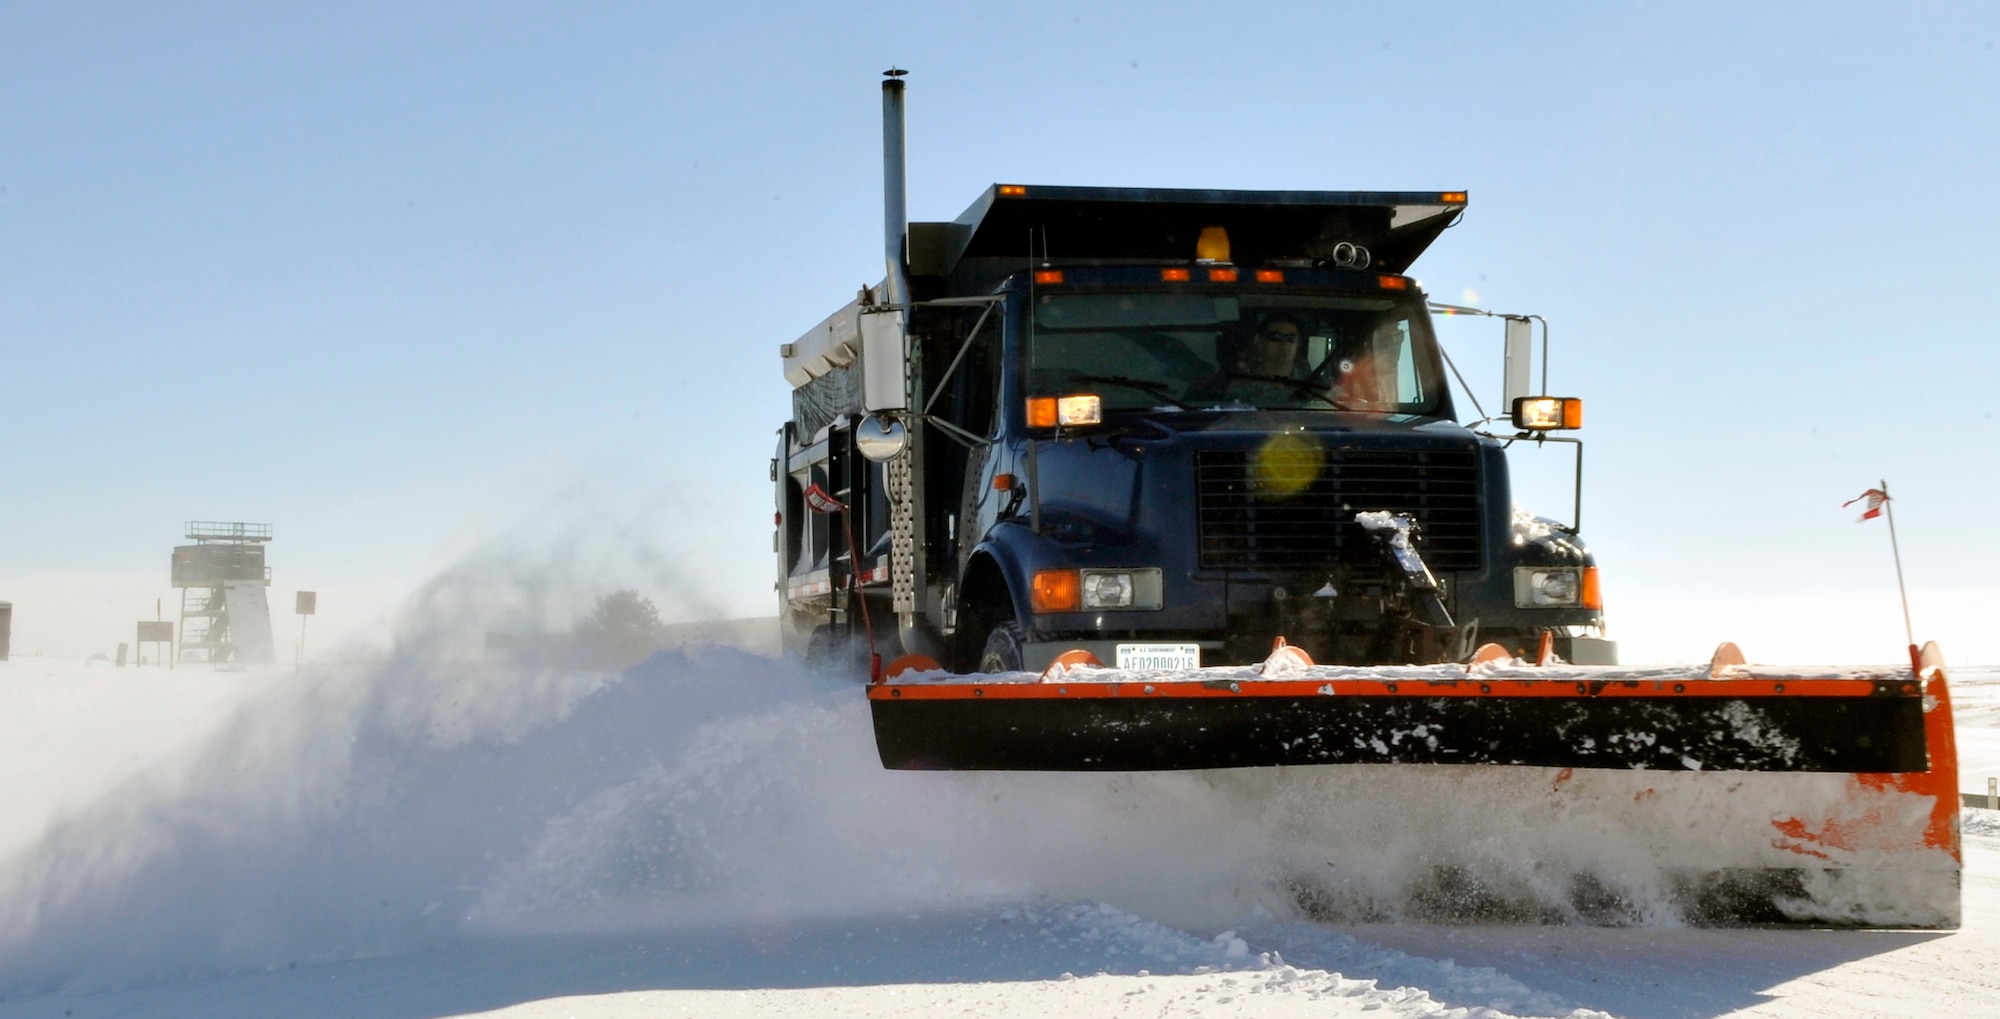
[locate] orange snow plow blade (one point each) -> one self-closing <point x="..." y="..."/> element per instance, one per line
<point x="1826" y="796"/>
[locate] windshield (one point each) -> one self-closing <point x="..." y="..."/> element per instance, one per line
<point x="1207" y="350"/>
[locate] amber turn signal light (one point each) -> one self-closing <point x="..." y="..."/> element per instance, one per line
<point x="1041" y="412"/>
<point x="1056" y="591"/>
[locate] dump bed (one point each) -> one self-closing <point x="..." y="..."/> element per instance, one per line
<point x="1072" y="224"/>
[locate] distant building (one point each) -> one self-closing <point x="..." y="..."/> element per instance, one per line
<point x="225" y="616"/>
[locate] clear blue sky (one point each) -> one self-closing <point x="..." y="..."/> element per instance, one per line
<point x="400" y="278"/>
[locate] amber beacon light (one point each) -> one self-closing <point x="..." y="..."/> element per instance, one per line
<point x="1212" y="245"/>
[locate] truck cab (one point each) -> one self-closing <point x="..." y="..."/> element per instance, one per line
<point x="1167" y="428"/>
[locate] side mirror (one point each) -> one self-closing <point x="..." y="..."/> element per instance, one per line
<point x="1514" y="376"/>
<point x="879" y="438"/>
<point x="883" y="360"/>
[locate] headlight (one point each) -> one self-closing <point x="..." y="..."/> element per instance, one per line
<point x="1107" y="590"/>
<point x="1539" y="587"/>
<point x="1067" y="411"/>
<point x="1132" y="588"/>
<point x="1547" y="413"/>
<point x="1087" y="409"/>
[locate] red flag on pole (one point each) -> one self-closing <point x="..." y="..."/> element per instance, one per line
<point x="821" y="500"/>
<point x="1874" y="503"/>
<point x="1871" y="501"/>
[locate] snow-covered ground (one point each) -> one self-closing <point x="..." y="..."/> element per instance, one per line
<point x="710" y="834"/>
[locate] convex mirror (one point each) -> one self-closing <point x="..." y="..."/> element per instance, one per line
<point x="880" y="438"/>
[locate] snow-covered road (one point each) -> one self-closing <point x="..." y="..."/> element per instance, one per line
<point x="710" y="836"/>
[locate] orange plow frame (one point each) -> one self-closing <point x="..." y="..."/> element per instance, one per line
<point x="1844" y="776"/>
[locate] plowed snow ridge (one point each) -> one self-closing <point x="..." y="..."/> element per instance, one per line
<point x="358" y="813"/>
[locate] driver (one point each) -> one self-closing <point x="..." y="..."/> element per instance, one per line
<point x="1254" y="368"/>
<point x="1274" y="350"/>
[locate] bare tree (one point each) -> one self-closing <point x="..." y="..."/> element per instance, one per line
<point x="620" y="631"/>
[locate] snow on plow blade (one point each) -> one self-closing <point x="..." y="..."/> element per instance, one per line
<point x="1821" y="796"/>
<point x="1085" y="719"/>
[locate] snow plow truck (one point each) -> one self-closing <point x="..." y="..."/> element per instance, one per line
<point x="1126" y="479"/>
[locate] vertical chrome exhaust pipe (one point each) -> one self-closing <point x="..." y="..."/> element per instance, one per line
<point x="895" y="194"/>
<point x="886" y="383"/>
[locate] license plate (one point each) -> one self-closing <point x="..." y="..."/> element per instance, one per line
<point x="1159" y="657"/>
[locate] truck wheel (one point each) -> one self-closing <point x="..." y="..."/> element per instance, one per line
<point x="1003" y="649"/>
<point x="819" y="648"/>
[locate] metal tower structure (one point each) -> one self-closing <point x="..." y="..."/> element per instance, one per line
<point x="225" y="616"/>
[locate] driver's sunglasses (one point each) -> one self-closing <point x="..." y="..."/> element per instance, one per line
<point x="1279" y="337"/>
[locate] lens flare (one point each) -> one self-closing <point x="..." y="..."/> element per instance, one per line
<point x="1287" y="463"/>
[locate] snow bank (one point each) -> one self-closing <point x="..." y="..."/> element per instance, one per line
<point x="1980" y="822"/>
<point x="431" y="799"/>
<point x="360" y="813"/>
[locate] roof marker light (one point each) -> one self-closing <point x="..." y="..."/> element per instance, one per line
<point x="1173" y="275"/>
<point x="1270" y="275"/>
<point x="1048" y="275"/>
<point x="1452" y="198"/>
<point x="1222" y="275"/>
<point x="1013" y="190"/>
<point x="1393" y="282"/>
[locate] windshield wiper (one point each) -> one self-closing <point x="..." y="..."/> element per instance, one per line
<point x="1303" y="387"/>
<point x="1159" y="389"/>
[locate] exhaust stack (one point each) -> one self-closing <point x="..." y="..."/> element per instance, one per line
<point x="895" y="195"/>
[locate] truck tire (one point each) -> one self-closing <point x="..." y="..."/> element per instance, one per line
<point x="819" y="648"/>
<point x="1003" y="649"/>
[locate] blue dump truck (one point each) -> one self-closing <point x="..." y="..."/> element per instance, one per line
<point x="1167" y="427"/>
<point x="1124" y="479"/>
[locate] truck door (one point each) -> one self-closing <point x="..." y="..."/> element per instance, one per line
<point x="967" y="387"/>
